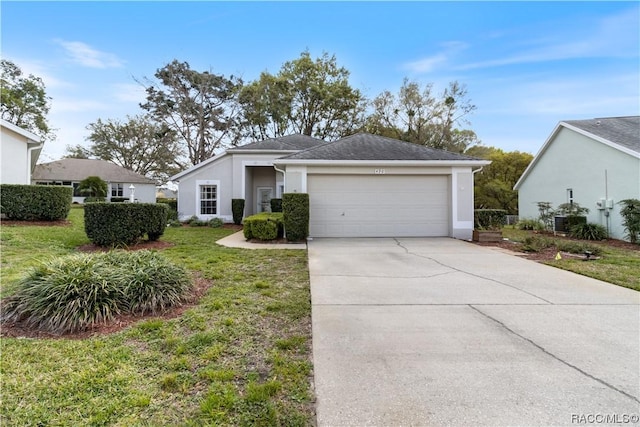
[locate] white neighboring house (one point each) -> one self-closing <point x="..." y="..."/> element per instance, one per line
<point x="359" y="186"/>
<point x="72" y="171"/>
<point x="595" y="163"/>
<point x="19" y="153"/>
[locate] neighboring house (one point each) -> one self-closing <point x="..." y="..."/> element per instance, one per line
<point x="72" y="171"/>
<point x="19" y="153"/>
<point x="595" y="163"/>
<point x="359" y="186"/>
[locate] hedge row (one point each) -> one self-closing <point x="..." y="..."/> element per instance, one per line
<point x="295" y="207"/>
<point x="123" y="224"/>
<point x="35" y="202"/>
<point x="264" y="226"/>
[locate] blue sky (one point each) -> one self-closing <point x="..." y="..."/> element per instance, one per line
<point x="526" y="65"/>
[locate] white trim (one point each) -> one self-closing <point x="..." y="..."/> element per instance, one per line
<point x="179" y="175"/>
<point x="442" y="163"/>
<point x="604" y="141"/>
<point x="201" y="182"/>
<point x="20" y="131"/>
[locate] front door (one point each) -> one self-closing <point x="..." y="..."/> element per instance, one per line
<point x="265" y="194"/>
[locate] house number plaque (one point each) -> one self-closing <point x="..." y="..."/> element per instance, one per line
<point x="378" y="171"/>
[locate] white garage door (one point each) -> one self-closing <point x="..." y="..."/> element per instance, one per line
<point x="378" y="205"/>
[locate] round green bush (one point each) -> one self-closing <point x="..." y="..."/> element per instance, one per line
<point x="73" y="293"/>
<point x="588" y="231"/>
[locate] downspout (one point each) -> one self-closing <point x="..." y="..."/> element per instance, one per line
<point x="473" y="192"/>
<point x="29" y="150"/>
<point x="284" y="176"/>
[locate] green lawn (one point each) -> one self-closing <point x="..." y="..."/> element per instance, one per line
<point x="615" y="265"/>
<point x="242" y="356"/>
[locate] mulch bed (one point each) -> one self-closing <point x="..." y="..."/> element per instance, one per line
<point x="549" y="254"/>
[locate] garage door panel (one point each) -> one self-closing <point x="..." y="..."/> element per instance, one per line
<point x="378" y="206"/>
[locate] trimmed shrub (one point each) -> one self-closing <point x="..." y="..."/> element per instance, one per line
<point x="237" y="209"/>
<point x="35" y="202"/>
<point x="173" y="203"/>
<point x="92" y="199"/>
<point x="73" y="293"/>
<point x="295" y="207"/>
<point x="489" y="219"/>
<point x="588" y="231"/>
<point x="123" y="224"/>
<point x="264" y="226"/>
<point x="276" y="205"/>
<point x="215" y="222"/>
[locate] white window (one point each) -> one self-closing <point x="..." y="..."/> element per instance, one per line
<point x="208" y="200"/>
<point x="117" y="190"/>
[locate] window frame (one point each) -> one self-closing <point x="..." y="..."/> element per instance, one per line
<point x="216" y="206"/>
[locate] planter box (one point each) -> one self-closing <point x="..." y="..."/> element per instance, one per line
<point x="487" y="236"/>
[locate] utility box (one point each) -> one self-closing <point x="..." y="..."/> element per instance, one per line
<point x="560" y="224"/>
<point x="609" y="203"/>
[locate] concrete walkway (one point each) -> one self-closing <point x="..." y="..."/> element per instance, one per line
<point x="237" y="240"/>
<point x="435" y="332"/>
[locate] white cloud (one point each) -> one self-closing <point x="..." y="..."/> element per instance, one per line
<point x="613" y="36"/>
<point x="430" y="63"/>
<point x="68" y="105"/>
<point x="41" y="70"/>
<point x="83" y="54"/>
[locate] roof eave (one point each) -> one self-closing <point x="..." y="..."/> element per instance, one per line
<point x="382" y="162"/>
<point x="552" y="136"/>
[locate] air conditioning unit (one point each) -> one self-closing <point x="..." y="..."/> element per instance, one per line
<point x="609" y="203"/>
<point x="601" y="204"/>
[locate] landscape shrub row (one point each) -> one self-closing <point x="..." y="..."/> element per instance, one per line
<point x="73" y="293"/>
<point x="35" y="202"/>
<point x="264" y="226"/>
<point x="295" y="207"/>
<point x="124" y="224"/>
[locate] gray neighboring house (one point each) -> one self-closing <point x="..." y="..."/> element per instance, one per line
<point x="594" y="162"/>
<point x="19" y="153"/>
<point x="359" y="186"/>
<point x="72" y="171"/>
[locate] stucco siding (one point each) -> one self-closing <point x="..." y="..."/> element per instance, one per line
<point x="221" y="171"/>
<point x="15" y="162"/>
<point x="591" y="169"/>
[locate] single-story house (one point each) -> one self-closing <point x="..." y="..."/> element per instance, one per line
<point x="359" y="186"/>
<point x="595" y="163"/>
<point x="119" y="180"/>
<point x="19" y="153"/>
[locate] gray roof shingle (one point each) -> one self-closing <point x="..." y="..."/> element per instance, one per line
<point x="293" y="142"/>
<point x="365" y="146"/>
<point x="79" y="169"/>
<point x="624" y="131"/>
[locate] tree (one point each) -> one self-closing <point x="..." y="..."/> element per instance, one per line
<point x="93" y="187"/>
<point x="307" y="96"/>
<point x="494" y="184"/>
<point x="416" y="115"/>
<point x="138" y="144"/>
<point x="200" y="107"/>
<point x="24" y="101"/>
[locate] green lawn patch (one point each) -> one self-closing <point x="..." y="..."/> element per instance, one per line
<point x="241" y="356"/>
<point x="616" y="262"/>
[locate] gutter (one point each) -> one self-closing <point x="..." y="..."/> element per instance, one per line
<point x="29" y="151"/>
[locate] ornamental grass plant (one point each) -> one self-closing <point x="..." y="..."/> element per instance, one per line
<point x="74" y="292"/>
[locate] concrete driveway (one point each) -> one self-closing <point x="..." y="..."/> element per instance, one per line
<point x="444" y="332"/>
